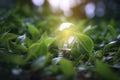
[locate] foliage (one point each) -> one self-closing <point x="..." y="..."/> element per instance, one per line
<point x="29" y="47"/>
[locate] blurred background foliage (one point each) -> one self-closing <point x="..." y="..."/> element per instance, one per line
<point x="28" y="49"/>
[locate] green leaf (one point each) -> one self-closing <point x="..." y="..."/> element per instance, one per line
<point x="99" y="54"/>
<point x="112" y="30"/>
<point x="48" y="40"/>
<point x="18" y="48"/>
<point x="110" y="47"/>
<point x="33" y="31"/>
<point x="86" y="42"/>
<point x="8" y="36"/>
<point x="66" y="67"/>
<point x="37" y="49"/>
<point x="28" y="41"/>
<point x="104" y="71"/>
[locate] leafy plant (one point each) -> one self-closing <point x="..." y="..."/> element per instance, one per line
<point x="30" y="44"/>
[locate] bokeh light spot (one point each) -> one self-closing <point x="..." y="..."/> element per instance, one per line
<point x="100" y="9"/>
<point x="90" y="10"/>
<point x="38" y="2"/>
<point x="64" y="6"/>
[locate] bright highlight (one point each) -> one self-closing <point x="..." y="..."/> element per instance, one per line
<point x="65" y="25"/>
<point x="38" y="2"/>
<point x="64" y="5"/>
<point x="66" y="35"/>
<point x="71" y="39"/>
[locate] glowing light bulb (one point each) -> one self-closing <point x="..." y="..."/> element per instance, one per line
<point x="65" y="38"/>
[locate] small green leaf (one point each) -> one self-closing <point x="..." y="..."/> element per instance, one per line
<point x="37" y="49"/>
<point x="86" y="42"/>
<point x="49" y="41"/>
<point x="112" y="31"/>
<point x="8" y="36"/>
<point x="18" y="48"/>
<point x="32" y="50"/>
<point x="33" y="31"/>
<point x="28" y="41"/>
<point x="66" y="67"/>
<point x="43" y="48"/>
<point x="110" y="47"/>
<point x="99" y="54"/>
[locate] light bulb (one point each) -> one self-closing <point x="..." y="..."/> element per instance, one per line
<point x="66" y="38"/>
